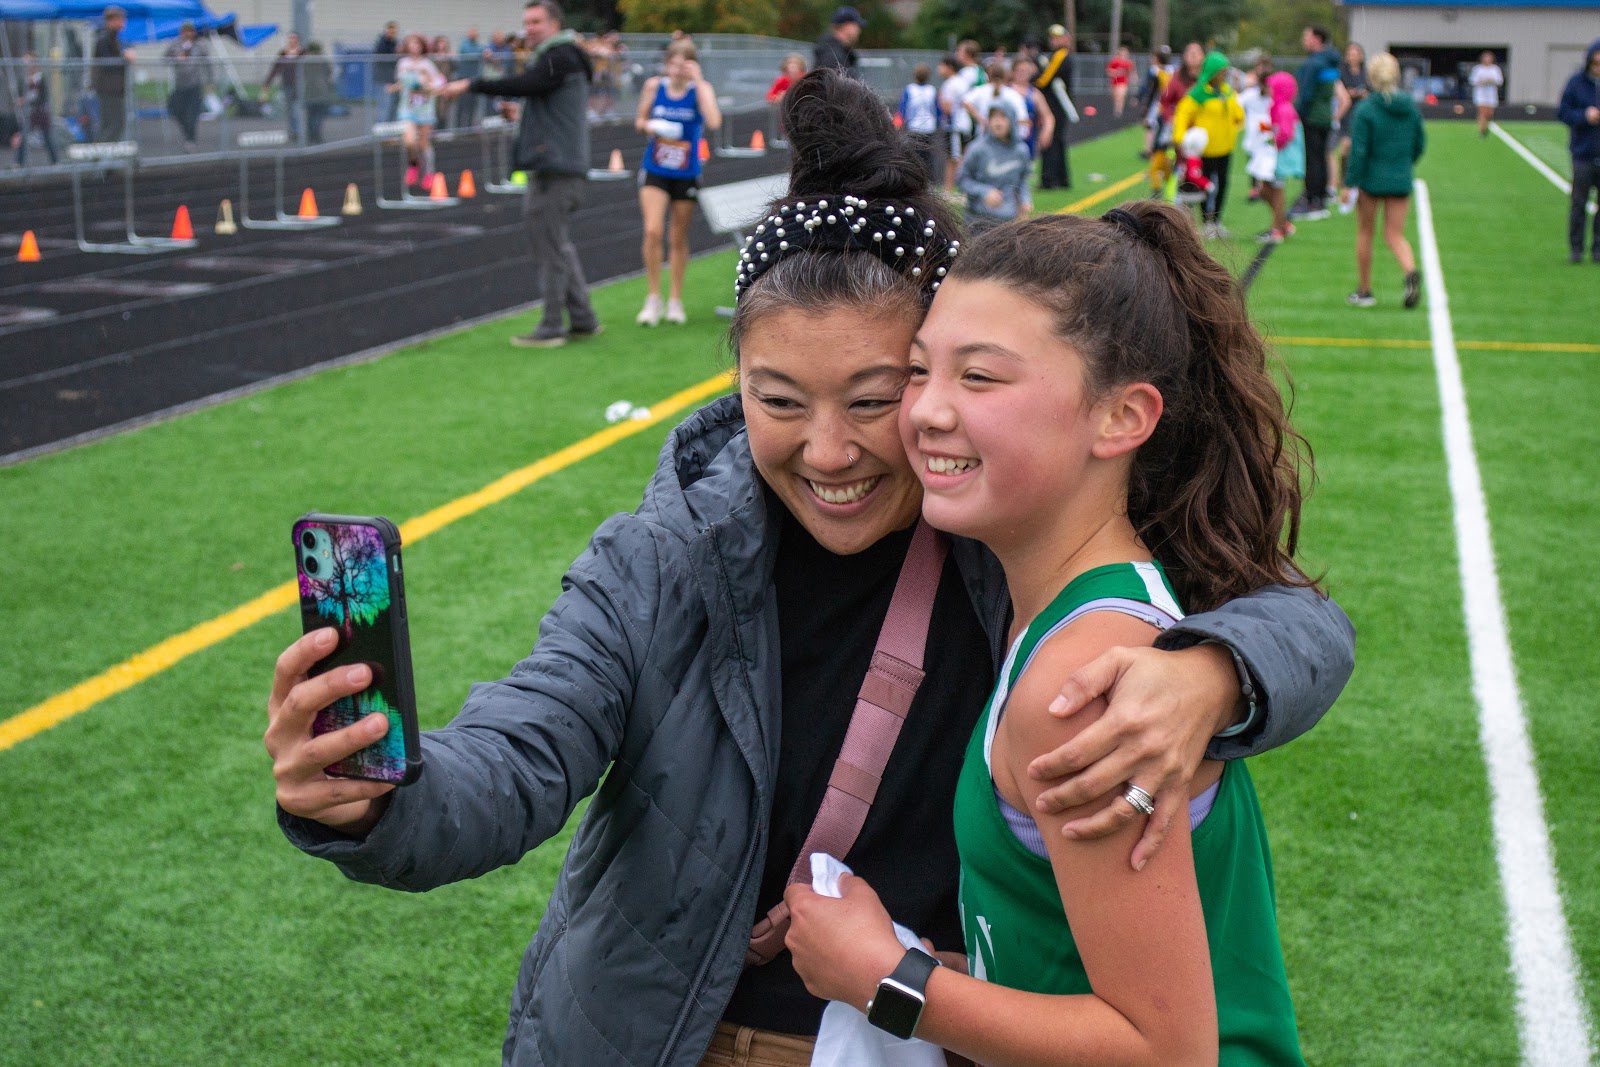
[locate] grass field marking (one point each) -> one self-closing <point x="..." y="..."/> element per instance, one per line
<point x="1554" y="1025"/>
<point x="1534" y="161"/>
<point x="1471" y="346"/>
<point x="1104" y="194"/>
<point x="152" y="661"/>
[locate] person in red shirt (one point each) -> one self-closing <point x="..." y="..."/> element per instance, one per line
<point x="792" y="70"/>
<point x="1119" y="70"/>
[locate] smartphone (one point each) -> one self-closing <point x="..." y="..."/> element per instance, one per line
<point x="350" y="579"/>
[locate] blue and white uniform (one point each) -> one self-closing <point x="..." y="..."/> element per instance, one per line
<point x="675" y="157"/>
<point x="919" y="108"/>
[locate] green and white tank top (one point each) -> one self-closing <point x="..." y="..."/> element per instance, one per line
<point x="1016" y="928"/>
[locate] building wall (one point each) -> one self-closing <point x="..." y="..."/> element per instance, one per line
<point x="1545" y="44"/>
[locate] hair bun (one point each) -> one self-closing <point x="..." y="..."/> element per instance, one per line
<point x="842" y="139"/>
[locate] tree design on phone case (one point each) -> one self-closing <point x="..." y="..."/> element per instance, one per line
<point x="356" y="589"/>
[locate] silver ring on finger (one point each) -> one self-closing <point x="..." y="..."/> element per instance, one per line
<point x="1140" y="800"/>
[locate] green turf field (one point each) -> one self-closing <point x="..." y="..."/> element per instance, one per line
<point x="153" y="914"/>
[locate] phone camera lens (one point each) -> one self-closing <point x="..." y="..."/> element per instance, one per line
<point x="308" y="539"/>
<point x="312" y="566"/>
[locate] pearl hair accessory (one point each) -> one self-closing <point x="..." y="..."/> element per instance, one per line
<point x="849" y="225"/>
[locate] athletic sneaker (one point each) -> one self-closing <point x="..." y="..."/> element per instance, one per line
<point x="650" y="314"/>
<point x="675" y="312"/>
<point x="1575" y="257"/>
<point x="1347" y="203"/>
<point x="1220" y="232"/>
<point x="1413" y="289"/>
<point x="411" y="175"/>
<point x="1209" y="231"/>
<point x="594" y="331"/>
<point x="539" y="340"/>
<point x="1358" y="299"/>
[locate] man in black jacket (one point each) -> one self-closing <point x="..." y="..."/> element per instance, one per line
<point x="836" y="48"/>
<point x="386" y="47"/>
<point x="553" y="147"/>
<point x="1580" y="110"/>
<point x="109" y="75"/>
<point x="1055" y="81"/>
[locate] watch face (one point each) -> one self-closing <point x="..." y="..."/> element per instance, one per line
<point x="896" y="1009"/>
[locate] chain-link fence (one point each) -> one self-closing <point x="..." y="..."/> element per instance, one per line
<point x="174" y="103"/>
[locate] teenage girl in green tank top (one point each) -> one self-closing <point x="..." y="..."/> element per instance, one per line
<point x="1087" y="395"/>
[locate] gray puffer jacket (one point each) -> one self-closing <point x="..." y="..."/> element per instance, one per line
<point x="659" y="664"/>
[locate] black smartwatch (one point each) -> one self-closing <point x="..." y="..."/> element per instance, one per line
<point x="897" y="1007"/>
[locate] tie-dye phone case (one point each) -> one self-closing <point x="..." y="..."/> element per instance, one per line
<point x="350" y="579"/>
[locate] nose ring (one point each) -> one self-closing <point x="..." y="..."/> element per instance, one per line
<point x="849" y="459"/>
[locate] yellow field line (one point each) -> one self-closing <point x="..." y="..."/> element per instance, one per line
<point x="130" y="672"/>
<point x="1349" y="342"/>
<point x="1527" y="346"/>
<point x="1104" y="194"/>
<point x="1480" y="346"/>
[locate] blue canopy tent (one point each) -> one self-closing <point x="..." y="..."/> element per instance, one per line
<point x="148" y="20"/>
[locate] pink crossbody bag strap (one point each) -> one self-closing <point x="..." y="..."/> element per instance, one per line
<point x="886" y="695"/>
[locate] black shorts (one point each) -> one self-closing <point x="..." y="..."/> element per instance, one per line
<point x="675" y="188"/>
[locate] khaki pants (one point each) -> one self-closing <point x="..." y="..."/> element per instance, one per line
<point x="741" y="1046"/>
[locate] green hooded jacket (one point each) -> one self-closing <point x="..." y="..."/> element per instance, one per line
<point x="1386" y="138"/>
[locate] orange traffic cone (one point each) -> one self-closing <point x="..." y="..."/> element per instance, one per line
<point x="308" y="204"/>
<point x="705" y="149"/>
<point x="466" y="189"/>
<point x="225" y="224"/>
<point x="352" y="200"/>
<point x="615" y="165"/>
<point x="29" y="252"/>
<point x="182" y="228"/>
<point x="440" y="190"/>
<point x="758" y="141"/>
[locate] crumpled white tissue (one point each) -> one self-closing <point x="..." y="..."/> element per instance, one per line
<point x="846" y="1039"/>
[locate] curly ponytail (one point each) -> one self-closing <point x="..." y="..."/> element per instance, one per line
<point x="1216" y="491"/>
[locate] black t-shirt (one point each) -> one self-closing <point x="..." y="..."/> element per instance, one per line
<point x="830" y="609"/>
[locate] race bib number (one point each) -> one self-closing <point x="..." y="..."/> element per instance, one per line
<point x="671" y="155"/>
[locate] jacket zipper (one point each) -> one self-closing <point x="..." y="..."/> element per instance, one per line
<point x="705" y="967"/>
<point x="733" y="904"/>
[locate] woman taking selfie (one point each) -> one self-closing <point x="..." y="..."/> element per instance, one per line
<point x="707" y="657"/>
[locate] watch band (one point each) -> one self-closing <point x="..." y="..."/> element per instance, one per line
<point x="897" y="1006"/>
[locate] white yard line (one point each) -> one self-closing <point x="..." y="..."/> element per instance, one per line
<point x="1534" y="161"/>
<point x="1554" y="1022"/>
